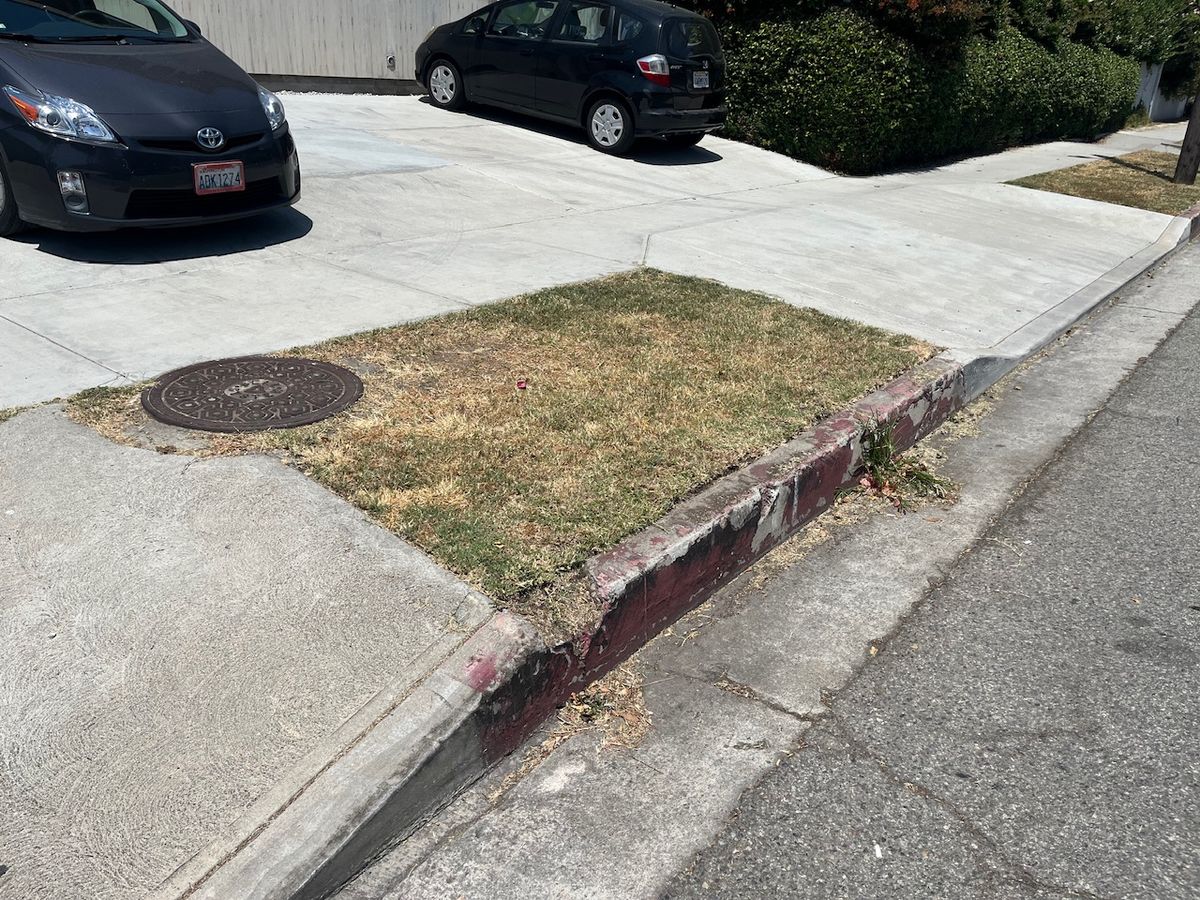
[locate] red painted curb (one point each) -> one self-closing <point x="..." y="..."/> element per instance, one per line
<point x="1194" y="215"/>
<point x="652" y="578"/>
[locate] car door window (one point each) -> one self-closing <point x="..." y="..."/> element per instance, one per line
<point x="527" y="20"/>
<point x="476" y="23"/>
<point x="585" y="22"/>
<point x="628" y="28"/>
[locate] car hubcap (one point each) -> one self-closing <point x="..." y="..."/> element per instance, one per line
<point x="608" y="124"/>
<point x="441" y="84"/>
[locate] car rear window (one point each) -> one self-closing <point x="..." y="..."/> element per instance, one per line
<point x="691" y="37"/>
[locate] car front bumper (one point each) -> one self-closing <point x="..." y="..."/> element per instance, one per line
<point x="132" y="186"/>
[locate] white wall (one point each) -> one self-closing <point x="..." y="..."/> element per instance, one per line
<point x="336" y="38"/>
<point x="1160" y="107"/>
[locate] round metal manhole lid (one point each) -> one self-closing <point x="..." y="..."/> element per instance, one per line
<point x="252" y="393"/>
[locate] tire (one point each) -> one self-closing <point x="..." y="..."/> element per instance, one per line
<point x="685" y="140"/>
<point x="609" y="126"/>
<point x="446" y="85"/>
<point x="10" y="219"/>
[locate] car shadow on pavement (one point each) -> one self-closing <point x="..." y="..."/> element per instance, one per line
<point x="647" y="150"/>
<point x="146" y="247"/>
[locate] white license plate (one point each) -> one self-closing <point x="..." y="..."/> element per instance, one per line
<point x="219" y="178"/>
<point x="700" y="80"/>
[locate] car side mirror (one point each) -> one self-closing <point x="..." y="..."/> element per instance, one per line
<point x="192" y="25"/>
<point x="475" y="26"/>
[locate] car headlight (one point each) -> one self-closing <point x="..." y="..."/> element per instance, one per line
<point x="273" y="107"/>
<point x="60" y="116"/>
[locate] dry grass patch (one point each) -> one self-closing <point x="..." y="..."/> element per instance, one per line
<point x="514" y="441"/>
<point x="1142" y="180"/>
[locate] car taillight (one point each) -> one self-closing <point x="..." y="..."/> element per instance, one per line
<point x="655" y="68"/>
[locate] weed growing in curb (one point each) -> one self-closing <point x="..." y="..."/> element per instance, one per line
<point x="902" y="479"/>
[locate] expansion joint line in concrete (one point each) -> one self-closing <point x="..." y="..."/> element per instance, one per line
<point x="62" y="346"/>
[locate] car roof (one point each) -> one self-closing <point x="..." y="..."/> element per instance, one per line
<point x="656" y="8"/>
<point x="652" y="8"/>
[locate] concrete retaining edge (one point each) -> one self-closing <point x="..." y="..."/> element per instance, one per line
<point x="486" y="699"/>
<point x="652" y="578"/>
<point x="986" y="366"/>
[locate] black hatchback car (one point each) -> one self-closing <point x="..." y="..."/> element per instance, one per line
<point x="620" y="69"/>
<point x="118" y="113"/>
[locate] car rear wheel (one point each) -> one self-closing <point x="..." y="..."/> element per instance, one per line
<point x="685" y="140"/>
<point x="610" y="126"/>
<point x="446" y="85"/>
<point x="10" y="220"/>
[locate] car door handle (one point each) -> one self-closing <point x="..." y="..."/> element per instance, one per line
<point x="527" y="51"/>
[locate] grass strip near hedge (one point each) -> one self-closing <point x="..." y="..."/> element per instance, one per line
<point x="513" y="441"/>
<point x="1143" y="180"/>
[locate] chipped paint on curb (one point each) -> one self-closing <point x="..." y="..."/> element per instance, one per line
<point x="649" y="580"/>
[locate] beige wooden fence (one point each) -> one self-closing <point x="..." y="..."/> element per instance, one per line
<point x="322" y="38"/>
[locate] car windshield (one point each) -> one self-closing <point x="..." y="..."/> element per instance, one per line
<point x="692" y="37"/>
<point x="90" y="20"/>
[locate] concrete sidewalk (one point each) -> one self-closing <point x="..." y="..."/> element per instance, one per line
<point x="410" y="211"/>
<point x="184" y="639"/>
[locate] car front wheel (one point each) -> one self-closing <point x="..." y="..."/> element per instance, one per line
<point x="446" y="86"/>
<point x="610" y="126"/>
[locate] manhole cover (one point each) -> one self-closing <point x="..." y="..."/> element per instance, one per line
<point x="252" y="393"/>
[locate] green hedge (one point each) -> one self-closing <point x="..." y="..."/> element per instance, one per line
<point x="843" y="92"/>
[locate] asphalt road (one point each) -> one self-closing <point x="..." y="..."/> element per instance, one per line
<point x="1030" y="731"/>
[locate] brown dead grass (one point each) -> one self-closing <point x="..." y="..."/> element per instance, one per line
<point x="514" y="441"/>
<point x="1142" y="180"/>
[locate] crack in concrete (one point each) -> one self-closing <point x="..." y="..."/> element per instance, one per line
<point x="738" y="689"/>
<point x="1141" y="417"/>
<point x="1161" y="312"/>
<point x="724" y="683"/>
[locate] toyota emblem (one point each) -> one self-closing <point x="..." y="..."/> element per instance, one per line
<point x="210" y="138"/>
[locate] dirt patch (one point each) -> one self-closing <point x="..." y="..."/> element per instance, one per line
<point x="12" y="411"/>
<point x="613" y="707"/>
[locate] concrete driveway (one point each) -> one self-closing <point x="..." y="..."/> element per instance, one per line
<point x="410" y="211"/>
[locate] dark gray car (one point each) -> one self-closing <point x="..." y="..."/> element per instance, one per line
<point x="119" y="113"/>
